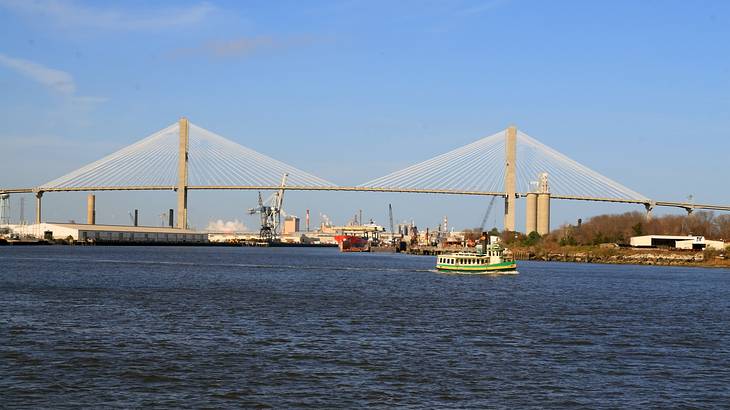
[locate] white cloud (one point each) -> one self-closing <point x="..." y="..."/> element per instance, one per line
<point x="55" y="80"/>
<point x="226" y="227"/>
<point x="70" y="13"/>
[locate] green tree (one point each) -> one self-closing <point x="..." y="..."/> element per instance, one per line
<point x="532" y="239"/>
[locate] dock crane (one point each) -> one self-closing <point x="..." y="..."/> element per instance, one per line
<point x="486" y="215"/>
<point x="270" y="211"/>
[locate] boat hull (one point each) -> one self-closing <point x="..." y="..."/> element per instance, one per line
<point x="503" y="267"/>
<point x="351" y="243"/>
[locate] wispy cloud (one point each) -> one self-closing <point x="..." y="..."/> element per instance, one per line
<point x="239" y="47"/>
<point x="55" y="80"/>
<point x="69" y="13"/>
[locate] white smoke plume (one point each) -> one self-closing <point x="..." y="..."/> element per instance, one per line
<point x="226" y="226"/>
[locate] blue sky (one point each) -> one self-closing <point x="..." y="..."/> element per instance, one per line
<point x="352" y="90"/>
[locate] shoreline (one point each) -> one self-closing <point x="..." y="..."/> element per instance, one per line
<point x="625" y="256"/>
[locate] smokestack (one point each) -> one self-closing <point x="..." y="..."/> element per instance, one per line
<point x="91" y="209"/>
<point x="307" y="220"/>
<point x="136" y="217"/>
<point x="171" y="220"/>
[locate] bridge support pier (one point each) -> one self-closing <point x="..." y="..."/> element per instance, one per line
<point x="510" y="178"/>
<point x="91" y="209"/>
<point x="4" y="209"/>
<point x="182" y="175"/>
<point x="649" y="209"/>
<point x="38" y="204"/>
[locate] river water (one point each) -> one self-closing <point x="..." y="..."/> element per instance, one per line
<point x="292" y="327"/>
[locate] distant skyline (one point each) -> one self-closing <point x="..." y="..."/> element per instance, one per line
<point x="353" y="90"/>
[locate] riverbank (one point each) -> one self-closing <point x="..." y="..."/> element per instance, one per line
<point x="628" y="256"/>
<point x="63" y="242"/>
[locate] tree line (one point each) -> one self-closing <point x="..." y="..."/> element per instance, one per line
<point x="619" y="228"/>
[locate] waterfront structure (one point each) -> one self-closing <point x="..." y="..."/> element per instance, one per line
<point x="4" y="209"/>
<point x="676" y="242"/>
<point x="112" y="233"/>
<point x="538" y="208"/>
<point x="291" y="225"/>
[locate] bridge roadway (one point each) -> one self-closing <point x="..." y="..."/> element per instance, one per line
<point x="689" y="207"/>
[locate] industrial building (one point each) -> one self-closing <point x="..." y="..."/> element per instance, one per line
<point x="676" y="242"/>
<point x="110" y="233"/>
<point x="291" y="225"/>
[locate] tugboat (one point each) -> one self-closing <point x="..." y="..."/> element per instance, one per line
<point x="488" y="258"/>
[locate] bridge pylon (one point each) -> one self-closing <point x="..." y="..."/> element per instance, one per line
<point x="510" y="177"/>
<point x="182" y="174"/>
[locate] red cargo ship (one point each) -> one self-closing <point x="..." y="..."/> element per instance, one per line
<point x="358" y="238"/>
<point x="351" y="243"/>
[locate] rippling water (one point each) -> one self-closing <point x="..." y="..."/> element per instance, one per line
<point x="286" y="327"/>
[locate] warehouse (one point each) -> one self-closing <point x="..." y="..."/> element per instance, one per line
<point x="676" y="242"/>
<point x="111" y="233"/>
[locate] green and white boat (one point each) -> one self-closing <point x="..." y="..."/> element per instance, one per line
<point x="488" y="258"/>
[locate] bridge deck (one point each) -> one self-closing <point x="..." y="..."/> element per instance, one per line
<point x="684" y="205"/>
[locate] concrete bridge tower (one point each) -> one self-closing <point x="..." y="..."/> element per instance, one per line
<point x="510" y="178"/>
<point x="182" y="174"/>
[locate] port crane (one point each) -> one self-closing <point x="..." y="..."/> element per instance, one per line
<point x="486" y="215"/>
<point x="270" y="212"/>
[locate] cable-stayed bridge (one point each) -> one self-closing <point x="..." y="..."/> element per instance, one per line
<point x="509" y="163"/>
